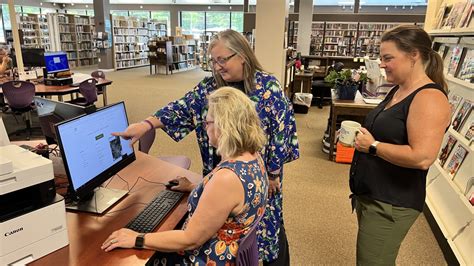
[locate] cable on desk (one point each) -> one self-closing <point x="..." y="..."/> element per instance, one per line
<point x="146" y="180"/>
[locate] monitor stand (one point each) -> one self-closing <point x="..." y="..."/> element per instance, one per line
<point x="102" y="199"/>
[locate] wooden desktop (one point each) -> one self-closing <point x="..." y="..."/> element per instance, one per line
<point x="87" y="231"/>
<point x="60" y="91"/>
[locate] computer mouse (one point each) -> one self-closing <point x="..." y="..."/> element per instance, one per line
<point x="171" y="184"/>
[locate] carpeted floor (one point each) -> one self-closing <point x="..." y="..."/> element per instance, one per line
<point x="320" y="226"/>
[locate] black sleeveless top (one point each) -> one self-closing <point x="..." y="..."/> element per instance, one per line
<point x="381" y="180"/>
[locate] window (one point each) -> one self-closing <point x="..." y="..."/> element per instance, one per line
<point x="48" y="10"/>
<point x="217" y="21"/>
<point x="192" y="23"/>
<point x="76" y="11"/>
<point x="162" y="16"/>
<point x="6" y="15"/>
<point x="140" y="14"/>
<point x="123" y="13"/>
<point x="237" y="21"/>
<point x="31" y="9"/>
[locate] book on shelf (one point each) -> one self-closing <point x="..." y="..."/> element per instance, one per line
<point x="442" y="50"/>
<point x="454" y="101"/>
<point x="467" y="130"/>
<point x="454" y="61"/>
<point x="447" y="147"/>
<point x="454" y="15"/>
<point x="440" y="16"/>
<point x="466" y="71"/>
<point x="447" y="56"/>
<point x="466" y="15"/>
<point x="460" y="153"/>
<point x="462" y="114"/>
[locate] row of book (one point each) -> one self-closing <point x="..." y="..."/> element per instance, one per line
<point x="459" y="61"/>
<point x="463" y="123"/>
<point x="457" y="15"/>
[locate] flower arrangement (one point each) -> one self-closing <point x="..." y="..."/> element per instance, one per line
<point x="346" y="82"/>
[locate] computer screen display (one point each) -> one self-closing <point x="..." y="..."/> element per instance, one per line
<point x="51" y="112"/>
<point x="90" y="153"/>
<point x="32" y="57"/>
<point x="56" y="62"/>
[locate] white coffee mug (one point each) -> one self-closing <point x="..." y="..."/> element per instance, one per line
<point x="348" y="132"/>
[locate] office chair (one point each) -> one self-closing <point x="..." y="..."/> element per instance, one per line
<point x="144" y="145"/>
<point x="19" y="95"/>
<point x="247" y="255"/>
<point x="88" y="89"/>
<point x="99" y="74"/>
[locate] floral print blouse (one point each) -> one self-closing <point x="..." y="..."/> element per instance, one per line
<point x="222" y="248"/>
<point x="183" y="116"/>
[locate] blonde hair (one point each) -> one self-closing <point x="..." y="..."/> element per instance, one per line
<point x="237" y="43"/>
<point x="238" y="122"/>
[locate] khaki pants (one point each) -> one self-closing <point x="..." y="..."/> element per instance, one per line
<point x="382" y="228"/>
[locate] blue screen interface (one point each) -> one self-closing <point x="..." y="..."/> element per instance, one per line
<point x="56" y="62"/>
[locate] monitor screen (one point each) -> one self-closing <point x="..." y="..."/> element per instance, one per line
<point x="51" y="112"/>
<point x="90" y="153"/>
<point x="56" y="62"/>
<point x="32" y="57"/>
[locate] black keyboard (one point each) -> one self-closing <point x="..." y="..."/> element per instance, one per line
<point x="158" y="208"/>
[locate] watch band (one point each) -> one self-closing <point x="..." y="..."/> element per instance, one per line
<point x="140" y="241"/>
<point x="273" y="176"/>
<point x="149" y="123"/>
<point x="373" y="148"/>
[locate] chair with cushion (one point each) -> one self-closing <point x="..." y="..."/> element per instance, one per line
<point x="247" y="255"/>
<point x="99" y="74"/>
<point x="19" y="95"/>
<point x="89" y="92"/>
<point x="144" y="145"/>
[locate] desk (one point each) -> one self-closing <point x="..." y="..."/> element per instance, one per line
<point x="356" y="107"/>
<point x="43" y="90"/>
<point x="87" y="231"/>
<point x="305" y="79"/>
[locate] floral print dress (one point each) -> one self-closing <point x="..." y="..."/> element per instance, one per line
<point x="222" y="248"/>
<point x="187" y="114"/>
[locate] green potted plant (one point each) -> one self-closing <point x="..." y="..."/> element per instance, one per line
<point x="346" y="82"/>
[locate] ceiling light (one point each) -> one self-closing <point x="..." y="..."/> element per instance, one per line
<point x="141" y="7"/>
<point x="41" y="3"/>
<point x="411" y="7"/>
<point x="54" y="4"/>
<point x="403" y="7"/>
<point x="87" y="6"/>
<point x="72" y="4"/>
<point x="230" y="7"/>
<point x="386" y="8"/>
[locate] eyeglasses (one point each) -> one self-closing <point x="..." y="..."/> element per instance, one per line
<point x="207" y="123"/>
<point x="221" y="61"/>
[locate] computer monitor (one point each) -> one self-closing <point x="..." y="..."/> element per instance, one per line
<point x="32" y="57"/>
<point x="56" y="62"/>
<point x="91" y="155"/>
<point x="51" y="112"/>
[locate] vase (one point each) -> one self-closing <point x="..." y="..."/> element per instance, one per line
<point x="347" y="92"/>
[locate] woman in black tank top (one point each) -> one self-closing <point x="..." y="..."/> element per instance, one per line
<point x="399" y="141"/>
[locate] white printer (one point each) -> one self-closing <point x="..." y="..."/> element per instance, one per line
<point x="32" y="215"/>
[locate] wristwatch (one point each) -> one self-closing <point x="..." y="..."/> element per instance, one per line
<point x="273" y="176"/>
<point x="373" y="148"/>
<point x="140" y="241"/>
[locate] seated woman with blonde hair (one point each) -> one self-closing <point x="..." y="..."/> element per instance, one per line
<point x="228" y="202"/>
